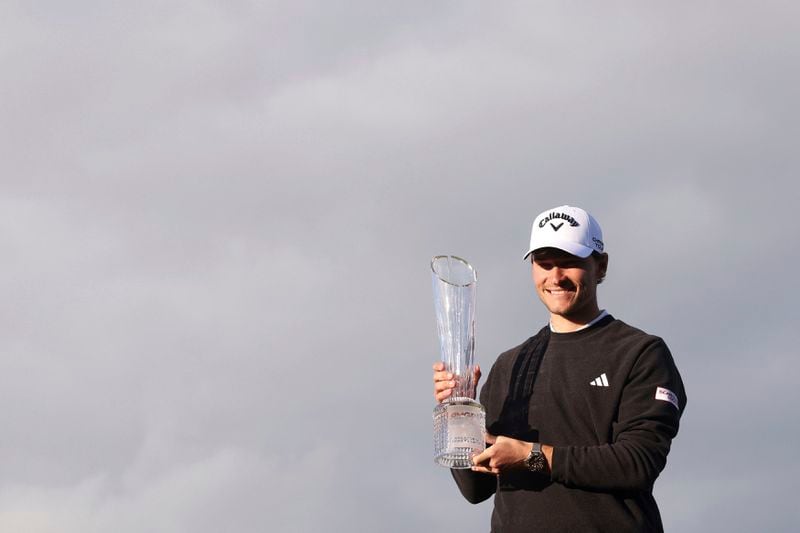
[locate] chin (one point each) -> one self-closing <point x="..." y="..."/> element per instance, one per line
<point x="559" y="310"/>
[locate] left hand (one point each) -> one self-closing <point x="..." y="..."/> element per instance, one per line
<point x="504" y="454"/>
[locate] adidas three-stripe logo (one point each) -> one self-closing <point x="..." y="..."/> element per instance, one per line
<point x="602" y="381"/>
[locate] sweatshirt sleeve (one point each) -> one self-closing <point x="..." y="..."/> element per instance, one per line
<point x="650" y="408"/>
<point x="475" y="486"/>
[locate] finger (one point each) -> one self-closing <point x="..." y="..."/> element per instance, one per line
<point x="490" y="439"/>
<point x="482" y="457"/>
<point x="443" y="385"/>
<point x="485" y="470"/>
<point x="476" y="378"/>
<point x="442" y="376"/>
<point x="442" y="396"/>
<point x="438" y="366"/>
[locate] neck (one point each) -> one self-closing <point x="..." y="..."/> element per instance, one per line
<point x="568" y="324"/>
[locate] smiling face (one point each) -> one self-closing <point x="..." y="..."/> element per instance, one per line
<point x="567" y="286"/>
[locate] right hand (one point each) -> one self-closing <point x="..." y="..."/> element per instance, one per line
<point x="444" y="382"/>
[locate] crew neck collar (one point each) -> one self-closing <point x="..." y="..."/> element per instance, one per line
<point x="597" y="319"/>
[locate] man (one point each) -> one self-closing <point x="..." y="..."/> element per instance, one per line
<point x="580" y="416"/>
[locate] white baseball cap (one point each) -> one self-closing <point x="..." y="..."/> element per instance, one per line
<point x="567" y="228"/>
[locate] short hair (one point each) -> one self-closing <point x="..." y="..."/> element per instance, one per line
<point x="597" y="256"/>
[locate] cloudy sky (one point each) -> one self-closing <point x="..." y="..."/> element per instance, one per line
<point x="216" y="220"/>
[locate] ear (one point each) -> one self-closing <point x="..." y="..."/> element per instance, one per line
<point x="602" y="267"/>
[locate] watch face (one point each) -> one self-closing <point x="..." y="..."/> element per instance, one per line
<point x="535" y="462"/>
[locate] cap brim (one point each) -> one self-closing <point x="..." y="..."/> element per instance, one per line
<point x="573" y="248"/>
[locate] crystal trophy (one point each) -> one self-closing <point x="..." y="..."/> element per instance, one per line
<point x="459" y="421"/>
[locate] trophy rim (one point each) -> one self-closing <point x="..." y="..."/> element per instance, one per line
<point x="471" y="268"/>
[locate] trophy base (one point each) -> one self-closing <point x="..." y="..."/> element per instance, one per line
<point x="458" y="432"/>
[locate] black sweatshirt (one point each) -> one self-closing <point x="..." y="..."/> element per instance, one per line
<point x="608" y="399"/>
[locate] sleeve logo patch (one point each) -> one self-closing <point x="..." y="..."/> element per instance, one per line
<point x="666" y="395"/>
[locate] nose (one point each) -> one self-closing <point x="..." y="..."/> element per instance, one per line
<point x="557" y="275"/>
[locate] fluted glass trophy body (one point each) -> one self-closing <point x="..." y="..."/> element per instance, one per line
<point x="459" y="421"/>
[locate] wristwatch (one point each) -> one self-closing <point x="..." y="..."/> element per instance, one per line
<point x="536" y="461"/>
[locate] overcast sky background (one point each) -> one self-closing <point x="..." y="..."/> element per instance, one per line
<point x="216" y="220"/>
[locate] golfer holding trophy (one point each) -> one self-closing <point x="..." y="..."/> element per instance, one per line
<point x="579" y="417"/>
